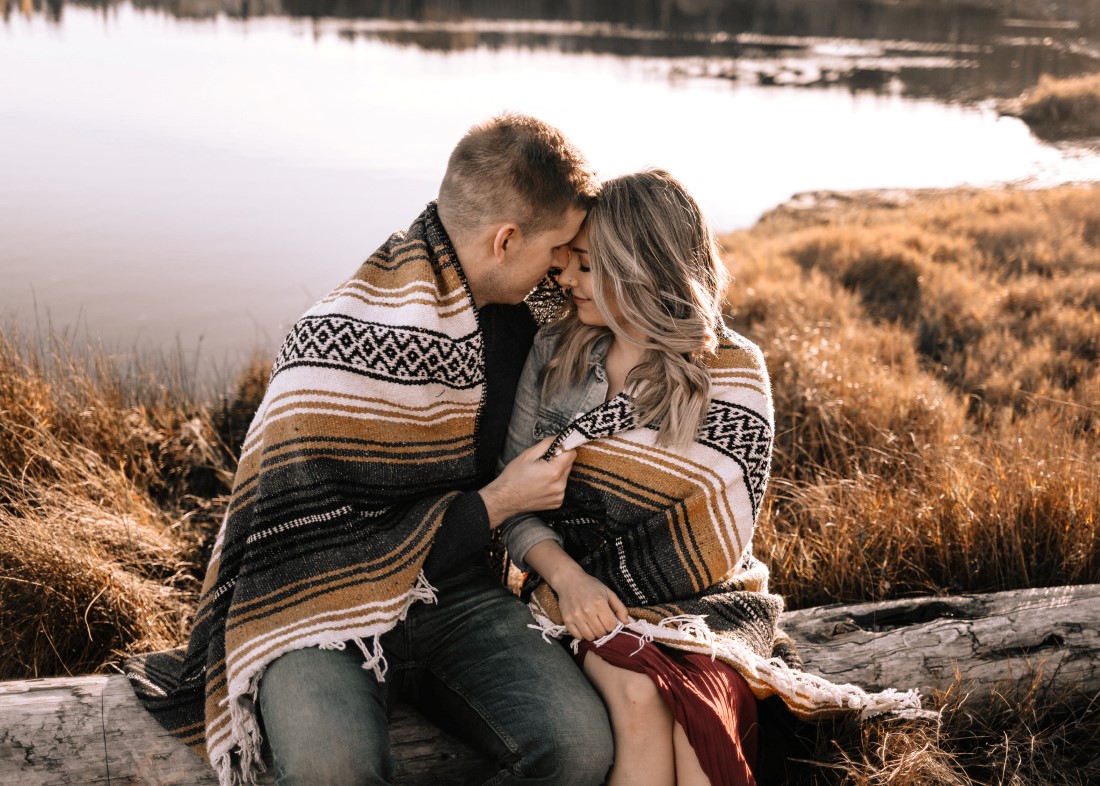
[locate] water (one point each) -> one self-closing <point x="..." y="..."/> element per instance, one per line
<point x="196" y="175"/>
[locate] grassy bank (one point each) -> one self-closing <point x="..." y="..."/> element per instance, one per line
<point x="110" y="484"/>
<point x="1061" y="108"/>
<point x="934" y="363"/>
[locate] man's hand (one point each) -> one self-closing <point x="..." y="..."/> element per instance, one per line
<point x="528" y="483"/>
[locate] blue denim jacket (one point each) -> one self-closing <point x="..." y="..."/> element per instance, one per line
<point x="535" y="417"/>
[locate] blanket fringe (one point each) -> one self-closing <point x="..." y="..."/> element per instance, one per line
<point x="691" y="633"/>
<point x="239" y="760"/>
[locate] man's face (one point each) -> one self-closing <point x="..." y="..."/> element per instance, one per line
<point x="531" y="257"/>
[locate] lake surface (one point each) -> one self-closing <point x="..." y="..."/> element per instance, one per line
<point x="195" y="174"/>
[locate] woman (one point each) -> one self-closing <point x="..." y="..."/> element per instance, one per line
<point x="648" y="564"/>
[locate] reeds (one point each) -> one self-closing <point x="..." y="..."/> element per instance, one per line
<point x="110" y="482"/>
<point x="1061" y="108"/>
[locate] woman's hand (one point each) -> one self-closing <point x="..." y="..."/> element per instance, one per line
<point x="588" y="608"/>
<point x="528" y="483"/>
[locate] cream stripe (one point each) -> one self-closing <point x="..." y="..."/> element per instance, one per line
<point x="364" y="614"/>
<point x="216" y="730"/>
<point x="754" y="388"/>
<point x="461" y="412"/>
<point x="703" y="475"/>
<point x="413" y="298"/>
<point x="418" y="286"/>
<point x="425" y="412"/>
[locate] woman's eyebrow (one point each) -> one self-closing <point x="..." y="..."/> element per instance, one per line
<point x="578" y="249"/>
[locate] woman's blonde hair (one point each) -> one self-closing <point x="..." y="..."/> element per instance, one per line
<point x="652" y="254"/>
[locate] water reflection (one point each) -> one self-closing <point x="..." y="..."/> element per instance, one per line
<point x="924" y="49"/>
<point x="170" y="175"/>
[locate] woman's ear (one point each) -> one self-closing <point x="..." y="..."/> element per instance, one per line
<point x="507" y="235"/>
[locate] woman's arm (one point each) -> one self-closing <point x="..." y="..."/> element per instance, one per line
<point x="588" y="608"/>
<point x="525" y="409"/>
<point x="520" y="533"/>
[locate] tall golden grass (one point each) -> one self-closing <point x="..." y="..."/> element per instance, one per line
<point x="934" y="364"/>
<point x="110" y="480"/>
<point x="1061" y="108"/>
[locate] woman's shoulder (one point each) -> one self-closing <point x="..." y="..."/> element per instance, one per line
<point x="739" y="375"/>
<point x="736" y="351"/>
<point x="547" y="338"/>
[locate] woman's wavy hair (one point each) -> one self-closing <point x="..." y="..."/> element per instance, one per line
<point x="653" y="255"/>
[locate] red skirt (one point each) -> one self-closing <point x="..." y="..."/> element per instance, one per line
<point x="709" y="699"/>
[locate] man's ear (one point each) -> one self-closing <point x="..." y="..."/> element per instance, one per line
<point x="506" y="236"/>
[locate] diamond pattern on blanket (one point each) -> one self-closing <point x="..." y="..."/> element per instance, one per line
<point x="609" y="418"/>
<point x="744" y="436"/>
<point x="402" y="355"/>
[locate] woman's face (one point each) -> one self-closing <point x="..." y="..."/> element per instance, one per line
<point x="576" y="278"/>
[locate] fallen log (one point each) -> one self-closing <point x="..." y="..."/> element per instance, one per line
<point x="91" y="730"/>
<point x="987" y="642"/>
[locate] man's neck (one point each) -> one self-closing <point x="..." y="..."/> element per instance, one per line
<point x="475" y="273"/>
<point x="468" y="259"/>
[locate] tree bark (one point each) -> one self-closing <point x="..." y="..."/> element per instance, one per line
<point x="990" y="643"/>
<point x="91" y="730"/>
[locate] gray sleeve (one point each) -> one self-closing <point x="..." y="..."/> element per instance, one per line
<point x="521" y="429"/>
<point x="521" y="532"/>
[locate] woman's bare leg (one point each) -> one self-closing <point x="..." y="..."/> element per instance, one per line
<point x="688" y="770"/>
<point x="641" y="722"/>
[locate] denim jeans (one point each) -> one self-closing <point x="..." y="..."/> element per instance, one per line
<point x="469" y="663"/>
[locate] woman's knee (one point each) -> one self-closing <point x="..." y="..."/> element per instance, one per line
<point x="626" y="692"/>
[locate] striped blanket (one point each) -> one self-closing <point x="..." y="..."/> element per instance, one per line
<point x="670" y="530"/>
<point x="367" y="424"/>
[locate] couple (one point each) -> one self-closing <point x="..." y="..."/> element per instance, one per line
<point x="620" y="453"/>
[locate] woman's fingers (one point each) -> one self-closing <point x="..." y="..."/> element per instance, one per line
<point x="608" y="621"/>
<point x="618" y="608"/>
<point x="592" y="626"/>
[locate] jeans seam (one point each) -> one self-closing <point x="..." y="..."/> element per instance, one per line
<point x="479" y="708"/>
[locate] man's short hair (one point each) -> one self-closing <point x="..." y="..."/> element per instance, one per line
<point x="514" y="168"/>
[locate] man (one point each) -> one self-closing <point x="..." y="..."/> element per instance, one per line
<point x="347" y="572"/>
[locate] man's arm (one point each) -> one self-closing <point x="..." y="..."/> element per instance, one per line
<point x="527" y="483"/>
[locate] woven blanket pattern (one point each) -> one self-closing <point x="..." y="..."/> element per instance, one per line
<point x="670" y="531"/>
<point x="345" y="474"/>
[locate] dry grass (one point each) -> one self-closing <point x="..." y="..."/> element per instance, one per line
<point x="934" y="362"/>
<point x="934" y="366"/>
<point x="109" y="483"/>
<point x="1061" y="108"/>
<point x="1021" y="736"/>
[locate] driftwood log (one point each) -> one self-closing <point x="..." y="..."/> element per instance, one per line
<point x="91" y="730"/>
